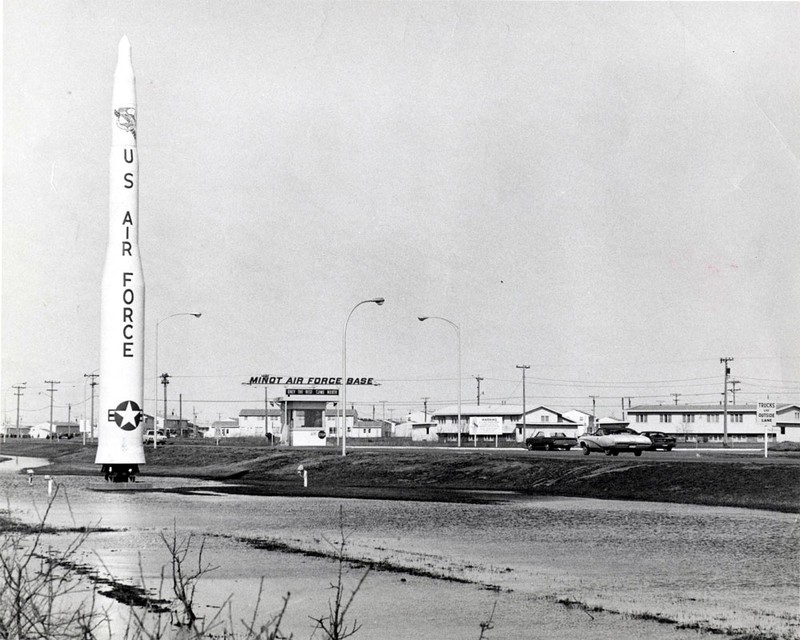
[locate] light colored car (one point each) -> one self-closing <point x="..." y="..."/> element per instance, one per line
<point x="613" y="440"/>
<point x="150" y="437"/>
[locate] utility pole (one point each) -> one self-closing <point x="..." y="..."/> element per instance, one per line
<point x="478" y="380"/>
<point x="725" y="362"/>
<point x="676" y="396"/>
<point x="165" y="382"/>
<point x="266" y="413"/>
<point x="93" y="384"/>
<point x="18" y="393"/>
<point x="733" y="384"/>
<point x="383" y="409"/>
<point x="524" y="406"/>
<point x="51" y="390"/>
<point x="425" y="405"/>
<point x="594" y="416"/>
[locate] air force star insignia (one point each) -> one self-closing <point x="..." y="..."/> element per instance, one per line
<point x="127" y="415"/>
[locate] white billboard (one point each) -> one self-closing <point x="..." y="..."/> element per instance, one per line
<point x="486" y="426"/>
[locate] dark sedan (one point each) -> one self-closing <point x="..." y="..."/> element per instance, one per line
<point x="551" y="442"/>
<point x="660" y="440"/>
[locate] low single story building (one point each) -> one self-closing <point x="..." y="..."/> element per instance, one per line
<point x="59" y="430"/>
<point x="11" y="431"/>
<point x="424" y="431"/>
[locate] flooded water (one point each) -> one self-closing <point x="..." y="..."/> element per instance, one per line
<point x="717" y="568"/>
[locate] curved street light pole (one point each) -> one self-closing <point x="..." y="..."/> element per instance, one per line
<point x="155" y="384"/>
<point x="458" y="335"/>
<point x="343" y="424"/>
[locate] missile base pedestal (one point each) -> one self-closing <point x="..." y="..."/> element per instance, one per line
<point x="120" y="473"/>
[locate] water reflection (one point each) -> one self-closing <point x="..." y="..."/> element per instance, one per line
<point x="719" y="567"/>
<point x="15" y="464"/>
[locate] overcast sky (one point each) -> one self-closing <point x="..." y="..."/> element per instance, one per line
<point x="607" y="192"/>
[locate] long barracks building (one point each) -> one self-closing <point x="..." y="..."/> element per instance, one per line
<point x="708" y="421"/>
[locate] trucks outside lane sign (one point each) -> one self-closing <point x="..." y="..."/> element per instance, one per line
<point x="765" y="412"/>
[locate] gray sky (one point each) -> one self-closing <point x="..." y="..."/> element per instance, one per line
<point x="607" y="192"/>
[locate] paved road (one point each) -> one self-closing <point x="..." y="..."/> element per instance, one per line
<point x="687" y="454"/>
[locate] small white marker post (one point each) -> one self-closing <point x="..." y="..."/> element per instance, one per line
<point x="765" y="413"/>
<point x="303" y="472"/>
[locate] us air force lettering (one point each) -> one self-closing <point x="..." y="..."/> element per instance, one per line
<point x="120" y="450"/>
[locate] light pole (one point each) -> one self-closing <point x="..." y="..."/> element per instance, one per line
<point x="458" y="335"/>
<point x="379" y="302"/>
<point x="155" y="384"/>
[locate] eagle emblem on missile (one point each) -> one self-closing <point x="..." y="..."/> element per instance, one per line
<point x="126" y="119"/>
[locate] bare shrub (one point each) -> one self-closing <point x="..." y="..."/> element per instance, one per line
<point x="335" y="625"/>
<point x="39" y="598"/>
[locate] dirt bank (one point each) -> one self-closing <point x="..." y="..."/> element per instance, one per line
<point x="723" y="479"/>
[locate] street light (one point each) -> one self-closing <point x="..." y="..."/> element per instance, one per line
<point x="379" y="302"/>
<point x="155" y="384"/>
<point x="458" y="334"/>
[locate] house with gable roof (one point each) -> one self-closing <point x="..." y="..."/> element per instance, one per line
<point x="546" y="420"/>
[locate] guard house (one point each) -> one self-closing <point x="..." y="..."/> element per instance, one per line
<point x="304" y="411"/>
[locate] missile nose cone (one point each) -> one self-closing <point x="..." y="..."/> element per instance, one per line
<point x="124" y="51"/>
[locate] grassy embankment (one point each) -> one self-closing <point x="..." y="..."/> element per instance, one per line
<point x="723" y="479"/>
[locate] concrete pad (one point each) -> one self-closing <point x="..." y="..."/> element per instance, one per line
<point x="121" y="486"/>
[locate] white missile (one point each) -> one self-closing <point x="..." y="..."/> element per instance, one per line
<point x="120" y="449"/>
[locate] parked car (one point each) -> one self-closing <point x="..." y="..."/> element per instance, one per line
<point x="613" y="440"/>
<point x="552" y="442"/>
<point x="660" y="440"/>
<point x="150" y="437"/>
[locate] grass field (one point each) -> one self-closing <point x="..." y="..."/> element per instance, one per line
<point x="720" y="479"/>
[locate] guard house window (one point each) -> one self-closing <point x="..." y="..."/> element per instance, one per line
<point x="308" y="418"/>
<point x="666" y="417"/>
